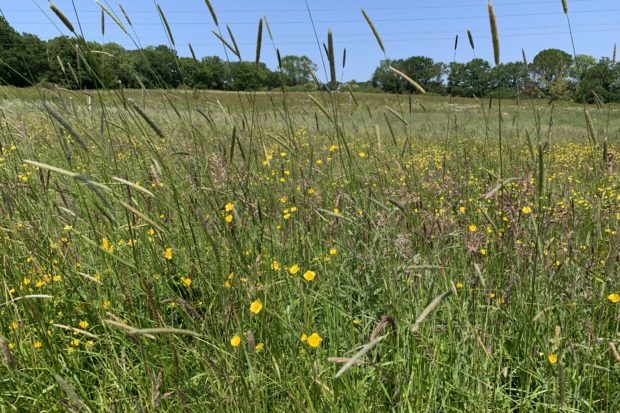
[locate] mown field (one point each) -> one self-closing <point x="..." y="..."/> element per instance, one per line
<point x="200" y="251"/>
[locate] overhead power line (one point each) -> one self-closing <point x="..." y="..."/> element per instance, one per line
<point x="548" y="33"/>
<point x="394" y="19"/>
<point x="336" y="9"/>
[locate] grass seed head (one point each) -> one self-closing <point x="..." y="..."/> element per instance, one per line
<point x="62" y="18"/>
<point x="471" y="40"/>
<point x="494" y="33"/>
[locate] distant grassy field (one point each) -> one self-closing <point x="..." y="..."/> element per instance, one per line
<point x="202" y="251"/>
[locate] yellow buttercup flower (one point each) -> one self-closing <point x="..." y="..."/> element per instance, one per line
<point x="314" y="340"/>
<point x="256" y="307"/>
<point x="228" y="218"/>
<point x="168" y="254"/>
<point x="614" y="298"/>
<point x="294" y="269"/>
<point x="229" y="207"/>
<point x="526" y="210"/>
<point x="552" y="358"/>
<point x="84" y="324"/>
<point x="309" y="275"/>
<point x="105" y="244"/>
<point x="473" y="228"/>
<point x="186" y="281"/>
<point x="235" y="341"/>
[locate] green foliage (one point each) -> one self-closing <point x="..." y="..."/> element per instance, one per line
<point x="76" y="64"/>
<point x="470" y="79"/>
<point x="550" y="71"/>
<point x="423" y="70"/>
<point x="297" y="70"/>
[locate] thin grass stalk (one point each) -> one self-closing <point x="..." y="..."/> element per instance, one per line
<point x="471" y="40"/>
<point x="166" y="25"/>
<point x="234" y="42"/>
<point x="54" y="114"/>
<point x="374" y="31"/>
<point x="226" y="44"/>
<point x="331" y="57"/>
<point x="494" y="33"/>
<point x="496" y="56"/>
<point x="316" y="36"/>
<point x="412" y="82"/>
<point x="449" y="117"/>
<point x="268" y="28"/>
<point x="212" y="11"/>
<point x="125" y="14"/>
<point x="62" y="18"/>
<point x="191" y="50"/>
<point x="147" y="118"/>
<point x="116" y="19"/>
<point x="259" y="40"/>
<point x="429" y="309"/>
<point x="74" y="399"/>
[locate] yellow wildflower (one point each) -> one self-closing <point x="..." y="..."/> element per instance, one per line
<point x="314" y="340"/>
<point x="105" y="244"/>
<point x="294" y="269"/>
<point x="309" y="275"/>
<point x="168" y="253"/>
<point x="614" y="298"/>
<point x="256" y="306"/>
<point x="235" y="341"/>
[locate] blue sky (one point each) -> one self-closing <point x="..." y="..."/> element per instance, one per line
<point x="408" y="27"/>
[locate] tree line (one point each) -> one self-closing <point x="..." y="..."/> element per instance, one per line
<point x="78" y="64"/>
<point x="552" y="74"/>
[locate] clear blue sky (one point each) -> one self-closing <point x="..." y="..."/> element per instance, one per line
<point x="408" y="27"/>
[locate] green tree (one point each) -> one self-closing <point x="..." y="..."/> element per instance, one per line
<point x="602" y="79"/>
<point x="157" y="66"/>
<point x="470" y="79"/>
<point x="248" y="76"/>
<point x="297" y="70"/>
<point x="550" y="71"/>
<point x="22" y="57"/>
<point x="423" y="70"/>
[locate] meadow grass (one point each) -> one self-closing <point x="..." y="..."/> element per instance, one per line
<point x="177" y="250"/>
